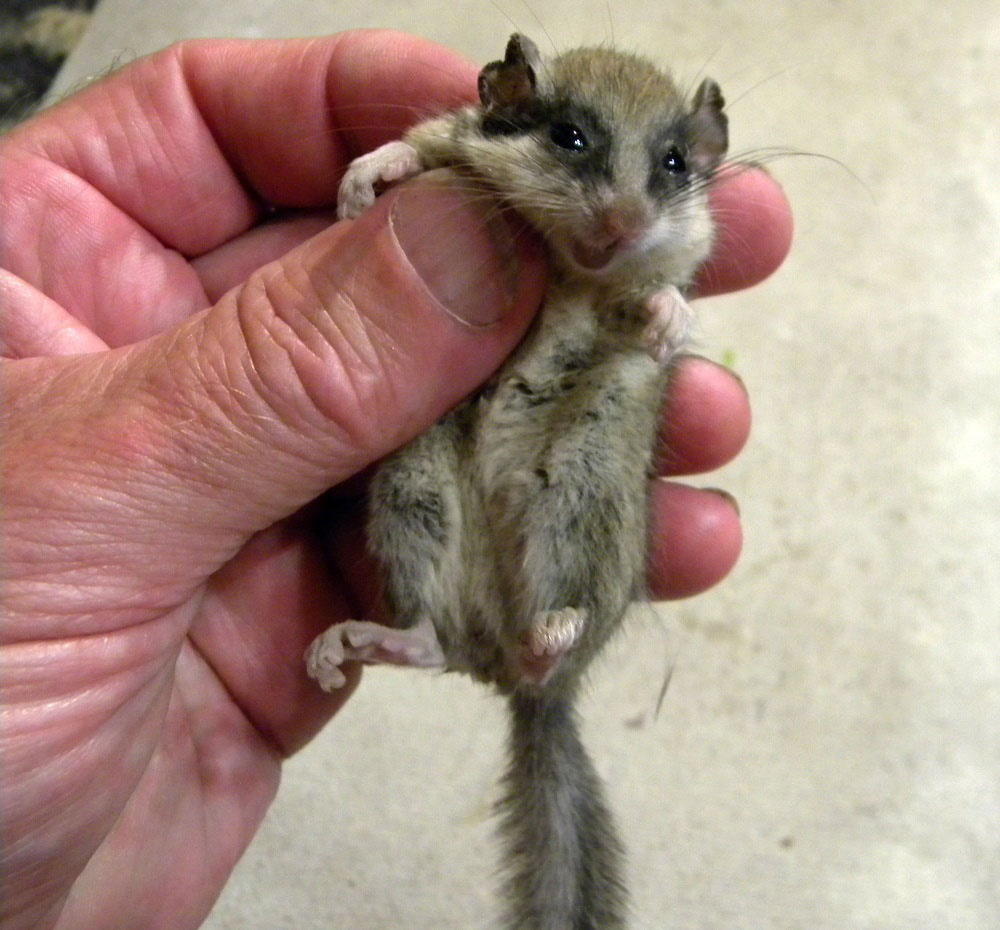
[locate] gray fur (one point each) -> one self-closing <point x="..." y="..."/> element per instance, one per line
<point x="515" y="530"/>
<point x="564" y="856"/>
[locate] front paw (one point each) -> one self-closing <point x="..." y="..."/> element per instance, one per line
<point x="367" y="175"/>
<point x="669" y="323"/>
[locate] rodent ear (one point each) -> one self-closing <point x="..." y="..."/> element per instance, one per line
<point x="709" y="126"/>
<point x="511" y="82"/>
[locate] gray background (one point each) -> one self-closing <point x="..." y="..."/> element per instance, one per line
<point x="827" y="754"/>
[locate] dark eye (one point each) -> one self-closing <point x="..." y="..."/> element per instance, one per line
<point x="674" y="161"/>
<point x="568" y="136"/>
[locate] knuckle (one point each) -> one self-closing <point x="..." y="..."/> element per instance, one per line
<point x="312" y="356"/>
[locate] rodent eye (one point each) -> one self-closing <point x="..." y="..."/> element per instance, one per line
<point x="568" y="136"/>
<point x="674" y="161"/>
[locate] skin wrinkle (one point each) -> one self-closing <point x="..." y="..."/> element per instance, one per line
<point x="346" y="345"/>
<point x="321" y="91"/>
<point x="220" y="371"/>
<point x="338" y="153"/>
<point x="243" y="159"/>
<point x="41" y="322"/>
<point x="267" y="736"/>
<point x="149" y="479"/>
<point x="118" y="694"/>
<point x="278" y="333"/>
<point x="385" y="355"/>
<point x="103" y="512"/>
<point x="24" y="198"/>
<point x="190" y="446"/>
<point x="208" y="407"/>
<point x="370" y="358"/>
<point x="261" y="338"/>
<point x="20" y="660"/>
<point x="252" y="201"/>
<point x="334" y="336"/>
<point x="63" y="228"/>
<point x="100" y="704"/>
<point x="210" y="771"/>
<point x="75" y="596"/>
<point x="169" y="93"/>
<point x="351" y="344"/>
<point x="91" y="540"/>
<point x="343" y="83"/>
<point x="257" y="334"/>
<point x="168" y="153"/>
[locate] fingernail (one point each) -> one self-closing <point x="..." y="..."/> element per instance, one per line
<point x="726" y="496"/>
<point x="462" y="248"/>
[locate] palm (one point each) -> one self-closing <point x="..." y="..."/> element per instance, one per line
<point x="212" y="717"/>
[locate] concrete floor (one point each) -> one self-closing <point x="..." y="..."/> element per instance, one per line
<point x="828" y="752"/>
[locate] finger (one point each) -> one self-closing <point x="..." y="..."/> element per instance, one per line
<point x="234" y="261"/>
<point x="754" y="231"/>
<point x="188" y="142"/>
<point x="357" y="89"/>
<point x="351" y="345"/>
<point x="72" y="245"/>
<point x="696" y="540"/>
<point x="706" y="421"/>
<point x="278" y="593"/>
<point x="172" y="157"/>
<point x="33" y="325"/>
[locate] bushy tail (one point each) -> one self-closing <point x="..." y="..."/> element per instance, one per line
<point x="564" y="858"/>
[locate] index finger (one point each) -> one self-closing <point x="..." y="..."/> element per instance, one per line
<point x="191" y="142"/>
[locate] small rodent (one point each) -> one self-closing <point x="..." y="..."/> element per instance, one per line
<point x="512" y="536"/>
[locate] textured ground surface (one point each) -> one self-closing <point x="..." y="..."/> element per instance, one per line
<point x="827" y="753"/>
<point x="35" y="37"/>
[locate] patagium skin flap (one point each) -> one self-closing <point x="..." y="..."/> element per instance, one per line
<point x="512" y="536"/>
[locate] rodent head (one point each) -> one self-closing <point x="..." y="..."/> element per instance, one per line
<point x="599" y="150"/>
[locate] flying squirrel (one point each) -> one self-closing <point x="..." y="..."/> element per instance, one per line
<point x="512" y="535"/>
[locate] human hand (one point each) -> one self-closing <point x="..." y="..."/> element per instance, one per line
<point x="186" y="372"/>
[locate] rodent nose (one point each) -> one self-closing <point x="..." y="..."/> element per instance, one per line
<point x="622" y="222"/>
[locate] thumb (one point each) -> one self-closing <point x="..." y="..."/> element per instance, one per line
<point x="321" y="363"/>
<point x="358" y="340"/>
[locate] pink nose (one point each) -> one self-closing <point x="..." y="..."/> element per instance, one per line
<point x="615" y="226"/>
<point x="622" y="223"/>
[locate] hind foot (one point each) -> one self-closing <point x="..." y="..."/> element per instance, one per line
<point x="372" y="643"/>
<point x="551" y="635"/>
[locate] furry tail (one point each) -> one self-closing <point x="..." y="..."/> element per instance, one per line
<point x="564" y="858"/>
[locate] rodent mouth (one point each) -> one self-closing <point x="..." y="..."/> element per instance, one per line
<point x="595" y="257"/>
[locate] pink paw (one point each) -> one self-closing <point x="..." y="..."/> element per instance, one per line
<point x="669" y="324"/>
<point x="363" y="641"/>
<point x="392" y="162"/>
<point x="552" y="634"/>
